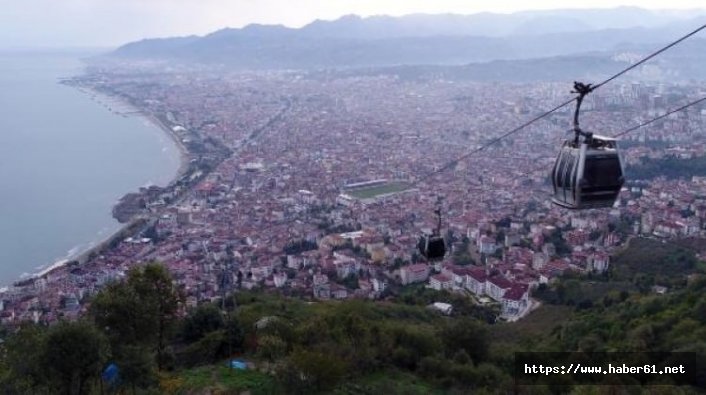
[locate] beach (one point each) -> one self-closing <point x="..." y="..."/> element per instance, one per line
<point x="98" y="247"/>
<point x="66" y="161"/>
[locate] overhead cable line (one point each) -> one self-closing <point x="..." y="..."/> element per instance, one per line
<point x="684" y="107"/>
<point x="556" y="108"/>
<point x="652" y="55"/>
<point x="491" y="142"/>
<point x="564" y="104"/>
<point x="639" y="126"/>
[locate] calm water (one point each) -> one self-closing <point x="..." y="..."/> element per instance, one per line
<point x="64" y="161"/>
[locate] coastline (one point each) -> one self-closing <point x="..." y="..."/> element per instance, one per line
<point x="97" y="247"/>
<point x="153" y="119"/>
<point x="184" y="156"/>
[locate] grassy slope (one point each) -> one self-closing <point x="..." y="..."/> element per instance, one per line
<point x="219" y="379"/>
<point x="550" y="326"/>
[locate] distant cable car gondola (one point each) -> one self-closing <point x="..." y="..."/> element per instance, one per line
<point x="588" y="172"/>
<point x="433" y="247"/>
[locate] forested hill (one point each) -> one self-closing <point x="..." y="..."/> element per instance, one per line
<point x="356" y="347"/>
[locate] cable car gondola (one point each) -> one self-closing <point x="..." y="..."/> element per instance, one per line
<point x="588" y="172"/>
<point x="433" y="247"/>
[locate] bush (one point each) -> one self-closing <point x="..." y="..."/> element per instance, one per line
<point x="205" y="351"/>
<point x="306" y="372"/>
<point x="205" y="319"/>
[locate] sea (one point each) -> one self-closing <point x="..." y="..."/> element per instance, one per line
<point x="66" y="157"/>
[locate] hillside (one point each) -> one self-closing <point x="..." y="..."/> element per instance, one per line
<point x="357" y="346"/>
<point x="351" y="41"/>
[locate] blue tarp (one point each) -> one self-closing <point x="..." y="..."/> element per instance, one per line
<point x="238" y="364"/>
<point x="110" y="373"/>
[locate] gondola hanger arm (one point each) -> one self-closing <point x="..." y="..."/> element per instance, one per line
<point x="581" y="90"/>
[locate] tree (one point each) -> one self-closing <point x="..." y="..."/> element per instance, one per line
<point x="299" y="246"/>
<point x="234" y="335"/>
<point x="434" y="367"/>
<point x="557" y="238"/>
<point x="213" y="344"/>
<point x="411" y="345"/>
<point x="462" y="358"/>
<point x="463" y="259"/>
<point x="205" y="351"/>
<point x="699" y="311"/>
<point x="206" y="318"/>
<point x="504" y="222"/>
<point x="136" y="367"/>
<point x="643" y="282"/>
<point x="160" y="298"/>
<point x="398" y="263"/>
<point x="140" y="311"/>
<point x="468" y="335"/>
<point x="350" y="282"/>
<point x="305" y="372"/>
<point x="118" y="311"/>
<point x="500" y="237"/>
<point x="595" y="235"/>
<point x="22" y="365"/>
<point x="74" y="354"/>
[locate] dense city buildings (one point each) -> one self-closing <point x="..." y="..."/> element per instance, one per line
<point x="319" y="185"/>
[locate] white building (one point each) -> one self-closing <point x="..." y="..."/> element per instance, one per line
<point x="475" y="281"/>
<point x="280" y="279"/>
<point x="516" y="301"/>
<point x="486" y="245"/>
<point x="414" y="273"/>
<point x="441" y="281"/>
<point x="496" y="286"/>
<point x="379" y="285"/>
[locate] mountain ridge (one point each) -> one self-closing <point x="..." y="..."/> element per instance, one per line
<point x="352" y="41"/>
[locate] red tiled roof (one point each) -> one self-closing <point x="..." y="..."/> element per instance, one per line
<point x="515" y="292"/>
<point x="501" y="282"/>
<point x="441" y="278"/>
<point x="417" y="267"/>
<point x="478" y="274"/>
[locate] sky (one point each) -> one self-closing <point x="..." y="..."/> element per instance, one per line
<point x="109" y="23"/>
